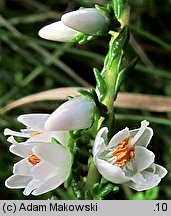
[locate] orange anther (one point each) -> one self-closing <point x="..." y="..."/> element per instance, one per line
<point x="33" y="159"/>
<point x="124" y="152"/>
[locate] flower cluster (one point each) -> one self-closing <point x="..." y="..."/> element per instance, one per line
<point x="47" y="159"/>
<point x="46" y="165"/>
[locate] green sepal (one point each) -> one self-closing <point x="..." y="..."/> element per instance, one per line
<point x="101" y="85"/>
<point x="82" y="38"/>
<point x="55" y="141"/>
<point x="85" y="93"/>
<point x="122" y="75"/>
<point x="69" y="97"/>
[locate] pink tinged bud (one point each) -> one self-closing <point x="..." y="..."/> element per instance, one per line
<point x="57" y="32"/>
<point x="88" y="21"/>
<point x="74" y="114"/>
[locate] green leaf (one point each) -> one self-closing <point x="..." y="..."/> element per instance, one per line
<point x="139" y="196"/>
<point x="77" y="189"/>
<point x="118" y="6"/>
<point x="152" y="194"/>
<point x="101" y="85"/>
<point x="117" y="46"/>
<point x="55" y="141"/>
<point x="105" y="190"/>
<point x="122" y="74"/>
<point x="85" y="93"/>
<point x="53" y="198"/>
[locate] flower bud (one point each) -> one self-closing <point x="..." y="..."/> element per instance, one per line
<point x="57" y="31"/>
<point x="74" y="114"/>
<point x="89" y="20"/>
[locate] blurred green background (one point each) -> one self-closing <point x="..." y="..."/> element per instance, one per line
<point x="29" y="64"/>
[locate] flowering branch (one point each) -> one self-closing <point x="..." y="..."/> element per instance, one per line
<point x="83" y="126"/>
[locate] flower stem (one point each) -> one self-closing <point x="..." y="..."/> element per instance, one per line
<point x="128" y="192"/>
<point x="92" y="177"/>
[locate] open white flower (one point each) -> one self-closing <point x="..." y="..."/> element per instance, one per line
<point x="74" y="114"/>
<point x="35" y="131"/>
<point x="43" y="168"/>
<point x="125" y="159"/>
<point x="89" y="21"/>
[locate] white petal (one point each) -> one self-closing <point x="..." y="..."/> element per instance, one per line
<point x="145" y="138"/>
<point x="140" y="132"/>
<point x="23" y="167"/>
<point x="74" y="114"/>
<point x="100" y="141"/>
<point x="43" y="137"/>
<point x="111" y="172"/>
<point x="119" y="137"/>
<point x="33" y="184"/>
<point x="7" y="132"/>
<point x="57" y="155"/>
<point x="49" y="184"/>
<point x="61" y="136"/>
<point x="17" y="181"/>
<point x="161" y="171"/>
<point x="89" y="20"/>
<point x="57" y="32"/>
<point x="143" y="158"/>
<point x="34" y="121"/>
<point x="22" y="149"/>
<point x="44" y="170"/>
<point x="150" y="180"/>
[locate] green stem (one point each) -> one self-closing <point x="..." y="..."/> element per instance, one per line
<point x="92" y="177"/>
<point x="128" y="192"/>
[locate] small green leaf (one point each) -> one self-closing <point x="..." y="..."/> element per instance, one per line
<point x="152" y="194"/>
<point x="117" y="46"/>
<point x="139" y="196"/>
<point x="105" y="190"/>
<point x="122" y="74"/>
<point x="77" y="189"/>
<point x="53" y="198"/>
<point x="118" y="6"/>
<point x="85" y="93"/>
<point x="101" y="85"/>
<point x="55" y="141"/>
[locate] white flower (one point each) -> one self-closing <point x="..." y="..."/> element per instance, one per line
<point x="43" y="168"/>
<point x="74" y="114"/>
<point x="89" y="21"/>
<point x="126" y="159"/>
<point x="35" y="131"/>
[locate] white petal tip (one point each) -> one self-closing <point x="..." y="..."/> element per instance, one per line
<point x="7" y="132"/>
<point x="57" y="31"/>
<point x="144" y="123"/>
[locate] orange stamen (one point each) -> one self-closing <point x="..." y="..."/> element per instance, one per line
<point x="33" y="159"/>
<point x="36" y="133"/>
<point x="124" y="152"/>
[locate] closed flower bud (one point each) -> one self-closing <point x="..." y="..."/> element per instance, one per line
<point x="74" y="114"/>
<point x="89" y="20"/>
